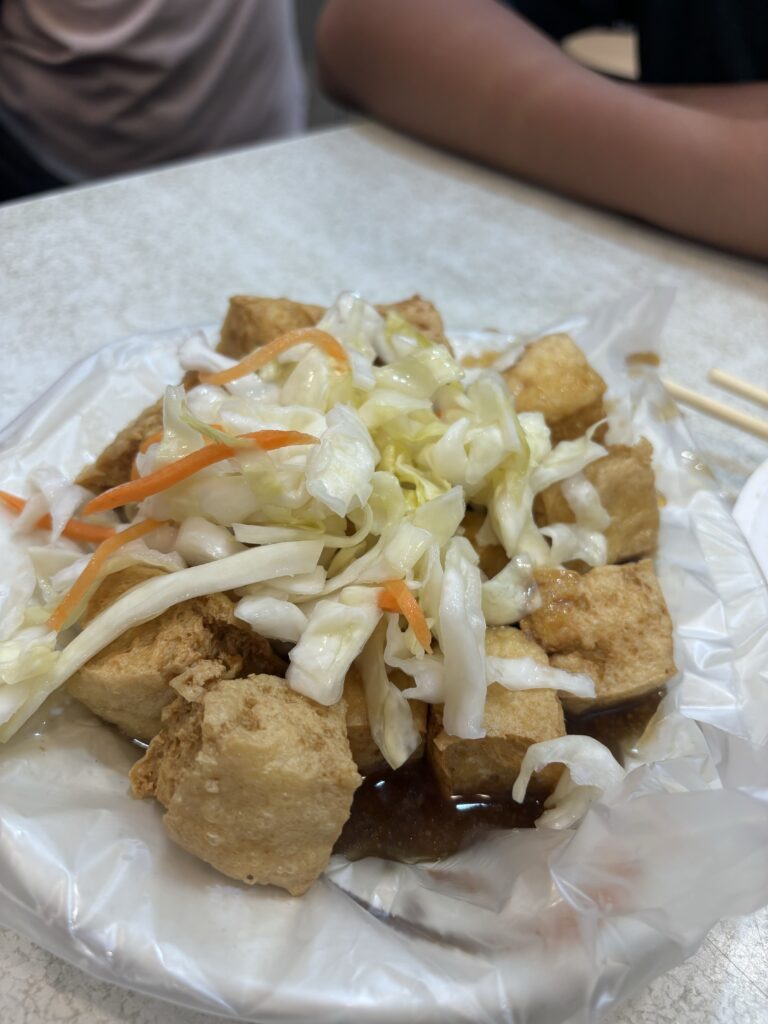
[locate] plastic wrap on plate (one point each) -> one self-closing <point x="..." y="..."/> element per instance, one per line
<point x="535" y="925"/>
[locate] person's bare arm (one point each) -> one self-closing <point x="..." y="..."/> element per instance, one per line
<point x="748" y="100"/>
<point x="472" y="76"/>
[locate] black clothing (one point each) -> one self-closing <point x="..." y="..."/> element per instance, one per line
<point x="681" y="41"/>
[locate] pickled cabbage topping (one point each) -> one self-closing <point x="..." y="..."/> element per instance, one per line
<point x="372" y="462"/>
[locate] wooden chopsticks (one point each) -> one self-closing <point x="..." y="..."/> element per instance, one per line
<point x="719" y="410"/>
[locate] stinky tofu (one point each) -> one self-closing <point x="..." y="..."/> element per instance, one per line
<point x="493" y="557"/>
<point x="553" y="377"/>
<point x="114" y="465"/>
<point x="128" y="682"/>
<point x="366" y="754"/>
<point x="421" y="314"/>
<point x="513" y="720"/>
<point x="626" y="486"/>
<point x="611" y="623"/>
<point x="257" y="780"/>
<point x="252" y="321"/>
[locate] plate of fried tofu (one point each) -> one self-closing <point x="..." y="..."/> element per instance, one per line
<point x="332" y="625"/>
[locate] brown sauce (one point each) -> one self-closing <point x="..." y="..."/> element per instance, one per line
<point x="404" y="816"/>
<point x="643" y="359"/>
<point x="480" y="361"/>
<point x="616" y="726"/>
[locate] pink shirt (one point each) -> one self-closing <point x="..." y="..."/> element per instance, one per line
<point x="96" y="87"/>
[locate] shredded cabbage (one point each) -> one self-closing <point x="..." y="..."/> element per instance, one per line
<point x="527" y="674"/>
<point x="389" y="714"/>
<point x="590" y="770"/>
<point x="334" y="636"/>
<point x="52" y="493"/>
<point x="199" y="541"/>
<point x="148" y="600"/>
<point x="307" y="535"/>
<point x="272" y="617"/>
<point x="461" y="631"/>
<point x="511" y="594"/>
<point x="426" y="670"/>
<point x="584" y="500"/>
<point x="340" y="468"/>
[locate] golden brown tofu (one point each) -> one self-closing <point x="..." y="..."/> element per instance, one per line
<point x="553" y="377"/>
<point x="252" y="321"/>
<point x="113" y="466"/>
<point x="626" y="485"/>
<point x="611" y="623"/>
<point x="421" y="314"/>
<point x="513" y="721"/>
<point x="128" y="683"/>
<point x="114" y="586"/>
<point x="366" y="754"/>
<point x="493" y="557"/>
<point x="256" y="779"/>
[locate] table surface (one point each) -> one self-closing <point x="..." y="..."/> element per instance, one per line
<point x="365" y="209"/>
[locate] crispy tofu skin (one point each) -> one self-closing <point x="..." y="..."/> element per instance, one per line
<point x="113" y="466"/>
<point x="256" y="780"/>
<point x="421" y="313"/>
<point x="128" y="682"/>
<point x="625" y="482"/>
<point x="513" y="721"/>
<point x="493" y="557"/>
<point x="553" y="377"/>
<point x="252" y="321"/>
<point x="611" y="623"/>
<point x="366" y="754"/>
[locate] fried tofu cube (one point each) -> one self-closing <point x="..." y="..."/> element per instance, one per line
<point x="366" y="754"/>
<point x="493" y="557"/>
<point x="611" y="623"/>
<point x="553" y="377"/>
<point x="252" y="321"/>
<point x="513" y="721"/>
<point x="128" y="683"/>
<point x="257" y="780"/>
<point x="421" y="314"/>
<point x="626" y="486"/>
<point x="114" y="465"/>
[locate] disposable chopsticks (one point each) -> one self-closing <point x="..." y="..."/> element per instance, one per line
<point x="719" y="410"/>
<point x="739" y="387"/>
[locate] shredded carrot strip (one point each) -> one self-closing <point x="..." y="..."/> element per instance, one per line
<point x="266" y="353"/>
<point x="90" y="573"/>
<point x="175" y="472"/>
<point x="75" y="529"/>
<point x="396" y="592"/>
<point x="387" y="603"/>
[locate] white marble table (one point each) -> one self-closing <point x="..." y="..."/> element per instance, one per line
<point x="362" y="208"/>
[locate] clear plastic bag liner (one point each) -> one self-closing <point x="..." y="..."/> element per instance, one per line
<point x="527" y="926"/>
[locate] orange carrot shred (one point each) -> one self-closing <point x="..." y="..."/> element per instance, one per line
<point x="75" y="529"/>
<point x="396" y="592"/>
<point x="387" y="603"/>
<point x="266" y="353"/>
<point x="187" y="465"/>
<point x="90" y="573"/>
